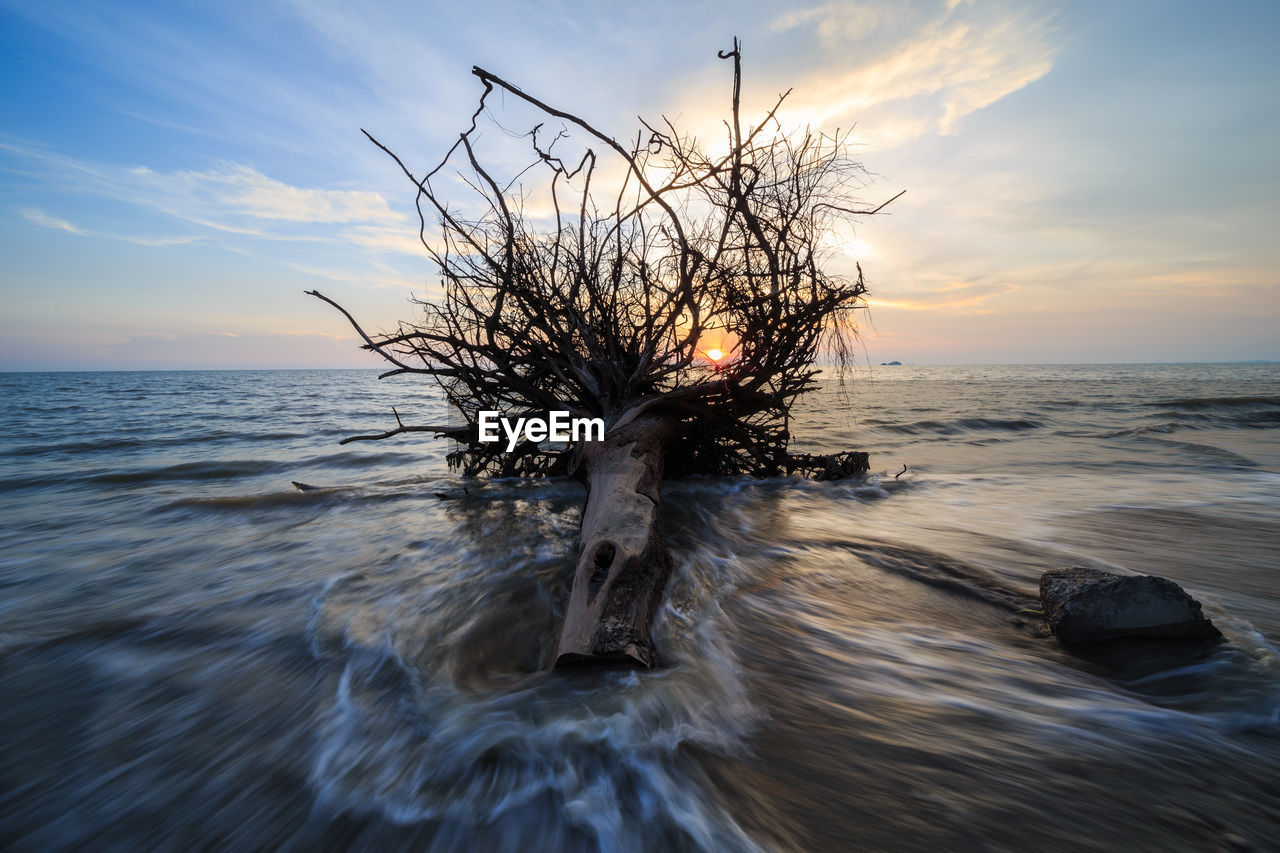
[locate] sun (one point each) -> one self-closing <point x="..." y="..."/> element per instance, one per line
<point x="715" y="354"/>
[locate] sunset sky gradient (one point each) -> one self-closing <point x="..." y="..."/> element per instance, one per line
<point x="1085" y="182"/>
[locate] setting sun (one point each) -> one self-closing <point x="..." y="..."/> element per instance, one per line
<point x="715" y="354"/>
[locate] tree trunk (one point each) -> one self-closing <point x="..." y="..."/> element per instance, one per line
<point x="623" y="562"/>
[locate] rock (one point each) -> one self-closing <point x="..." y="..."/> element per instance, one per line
<point x="1089" y="606"/>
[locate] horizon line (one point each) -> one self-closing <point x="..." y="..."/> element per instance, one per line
<point x="1261" y="361"/>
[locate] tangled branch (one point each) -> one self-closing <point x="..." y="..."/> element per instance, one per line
<point x="552" y="299"/>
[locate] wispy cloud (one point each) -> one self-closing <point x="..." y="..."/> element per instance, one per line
<point x="226" y="199"/>
<point x="234" y="190"/>
<point x="920" y="73"/>
<point x="44" y="220"/>
<point x="956" y="296"/>
<point x="39" y="217"/>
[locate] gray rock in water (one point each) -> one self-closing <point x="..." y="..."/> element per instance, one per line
<point x="1090" y="606"/>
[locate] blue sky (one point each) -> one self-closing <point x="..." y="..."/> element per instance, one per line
<point x="1085" y="181"/>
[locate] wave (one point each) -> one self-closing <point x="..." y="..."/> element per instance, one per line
<point x="437" y="722"/>
<point x="963" y="425"/>
<point x="1265" y="419"/>
<point x="1198" y="413"/>
<point x="122" y="442"/>
<point x="363" y="460"/>
<point x="239" y="503"/>
<point x="1244" y="411"/>
<point x="228" y="469"/>
<point x="211" y="470"/>
<point x="1198" y="421"/>
<point x="1211" y="454"/>
<point x="1217" y="402"/>
<point x="944" y="572"/>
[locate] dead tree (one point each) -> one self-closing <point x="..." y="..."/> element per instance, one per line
<point x="688" y="310"/>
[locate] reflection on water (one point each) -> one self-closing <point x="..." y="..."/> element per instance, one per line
<point x="192" y="653"/>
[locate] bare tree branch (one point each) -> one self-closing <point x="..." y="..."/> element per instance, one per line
<point x="606" y="304"/>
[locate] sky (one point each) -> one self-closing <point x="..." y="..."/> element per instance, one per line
<point x="1085" y="181"/>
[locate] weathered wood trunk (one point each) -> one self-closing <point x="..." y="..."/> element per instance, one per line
<point x="623" y="563"/>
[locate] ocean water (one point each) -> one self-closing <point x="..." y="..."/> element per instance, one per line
<point x="193" y="654"/>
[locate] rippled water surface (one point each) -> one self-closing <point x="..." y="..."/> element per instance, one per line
<point x="194" y="654"/>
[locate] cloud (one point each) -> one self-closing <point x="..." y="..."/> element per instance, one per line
<point x="956" y="296"/>
<point x="39" y="217"/>
<point x="833" y="21"/>
<point x="920" y="73"/>
<point x="238" y="191"/>
<point x="227" y="199"/>
<point x="44" y="220"/>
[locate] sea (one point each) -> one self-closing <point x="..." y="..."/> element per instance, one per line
<point x="196" y="655"/>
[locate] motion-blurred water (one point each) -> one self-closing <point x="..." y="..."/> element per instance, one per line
<point x="195" y="655"/>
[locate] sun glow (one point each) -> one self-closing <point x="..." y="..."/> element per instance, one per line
<point x="714" y="345"/>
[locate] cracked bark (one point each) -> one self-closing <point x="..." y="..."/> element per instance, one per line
<point x="623" y="563"/>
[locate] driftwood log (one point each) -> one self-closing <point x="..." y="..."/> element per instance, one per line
<point x="623" y="563"/>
